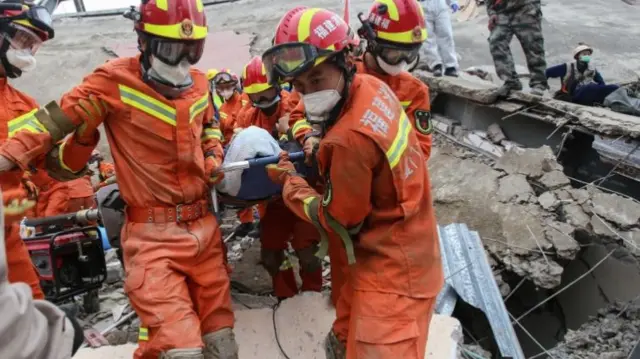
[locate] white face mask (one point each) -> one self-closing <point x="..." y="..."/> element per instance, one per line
<point x="392" y="70"/>
<point x="320" y="103"/>
<point x="226" y="94"/>
<point x="175" y="75"/>
<point x="22" y="59"/>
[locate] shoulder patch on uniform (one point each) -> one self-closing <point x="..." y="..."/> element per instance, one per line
<point x="328" y="194"/>
<point x="423" y="122"/>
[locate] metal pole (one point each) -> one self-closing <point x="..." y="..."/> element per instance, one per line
<point x="79" y="5"/>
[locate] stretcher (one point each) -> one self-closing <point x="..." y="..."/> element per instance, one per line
<point x="256" y="186"/>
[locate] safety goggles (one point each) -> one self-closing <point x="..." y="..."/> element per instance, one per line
<point x="286" y="61"/>
<point x="22" y="38"/>
<point x="173" y="52"/>
<point x="37" y="17"/>
<point x="394" y="55"/>
<point x="224" y="78"/>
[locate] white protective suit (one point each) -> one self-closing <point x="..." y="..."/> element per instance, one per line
<point x="30" y="329"/>
<point x="439" y="48"/>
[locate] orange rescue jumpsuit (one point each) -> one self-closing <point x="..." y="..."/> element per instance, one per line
<point x="106" y="170"/>
<point x="279" y="225"/>
<point x="19" y="266"/>
<point x="414" y="97"/>
<point x="81" y="194"/>
<point x="377" y="186"/>
<point x="229" y="112"/>
<point x="176" y="279"/>
<point x="53" y="195"/>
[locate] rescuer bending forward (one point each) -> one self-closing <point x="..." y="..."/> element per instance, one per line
<point x="158" y="118"/>
<point x="377" y="189"/>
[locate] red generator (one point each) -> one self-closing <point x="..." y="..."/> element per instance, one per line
<point x="67" y="251"/>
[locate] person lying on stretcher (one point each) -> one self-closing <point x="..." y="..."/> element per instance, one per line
<point x="259" y="134"/>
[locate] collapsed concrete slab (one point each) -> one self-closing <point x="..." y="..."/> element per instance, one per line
<point x="530" y="218"/>
<point x="302" y="323"/>
<point x="596" y="120"/>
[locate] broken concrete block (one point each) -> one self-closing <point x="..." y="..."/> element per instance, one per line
<point x="549" y="201"/>
<point x="495" y="134"/>
<point x="531" y="162"/>
<point x="561" y="236"/>
<point x="514" y="188"/>
<point x="575" y="215"/>
<point x="581" y="196"/>
<point x="554" y="179"/>
<point x="477" y="141"/>
<point x="114" y="272"/>
<point x="443" y="125"/>
<point x="601" y="229"/>
<point x="511" y="146"/>
<point x="617" y="209"/>
<point x="632" y="241"/>
<point x="444" y="342"/>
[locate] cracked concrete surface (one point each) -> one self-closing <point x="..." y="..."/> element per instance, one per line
<point x="531" y="236"/>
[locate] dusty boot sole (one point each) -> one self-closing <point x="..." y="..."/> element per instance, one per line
<point x="220" y="345"/>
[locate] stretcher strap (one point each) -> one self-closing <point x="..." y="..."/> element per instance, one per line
<point x="344" y="234"/>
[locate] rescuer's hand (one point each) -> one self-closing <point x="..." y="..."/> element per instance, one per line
<point x="212" y="167"/>
<point x="279" y="173"/>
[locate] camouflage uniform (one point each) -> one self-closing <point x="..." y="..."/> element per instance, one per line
<point x="522" y="18"/>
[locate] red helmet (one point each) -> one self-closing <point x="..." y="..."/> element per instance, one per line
<point x="395" y="30"/>
<point x="166" y="21"/>
<point x="225" y="76"/>
<point x="283" y="26"/>
<point x="32" y="18"/>
<point x="305" y="40"/>
<point x="398" y="21"/>
<point x="255" y="77"/>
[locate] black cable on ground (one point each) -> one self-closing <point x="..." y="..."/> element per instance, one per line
<point x="275" y="330"/>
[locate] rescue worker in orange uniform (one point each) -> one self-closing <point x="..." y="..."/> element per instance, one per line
<point x="53" y="195"/>
<point x="377" y="190"/>
<point x="81" y="194"/>
<point x="279" y="225"/>
<point x="227" y="86"/>
<point x="158" y="118"/>
<point x="395" y="31"/>
<point x="227" y="83"/>
<point x="106" y="170"/>
<point x="22" y="30"/>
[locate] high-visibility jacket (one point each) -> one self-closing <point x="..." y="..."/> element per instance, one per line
<point x="253" y="116"/>
<point x="377" y="195"/>
<point x="412" y="93"/>
<point x="228" y="115"/>
<point x="158" y="145"/>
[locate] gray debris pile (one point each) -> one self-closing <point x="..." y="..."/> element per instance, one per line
<point x="530" y="217"/>
<point x="612" y="334"/>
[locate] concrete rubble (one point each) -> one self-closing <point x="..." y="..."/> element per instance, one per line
<point x="612" y="334"/>
<point x="302" y="323"/>
<point x="531" y="219"/>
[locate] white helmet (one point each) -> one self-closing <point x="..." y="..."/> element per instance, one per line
<point x="581" y="47"/>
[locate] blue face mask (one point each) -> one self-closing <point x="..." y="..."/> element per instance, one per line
<point x="585" y="58"/>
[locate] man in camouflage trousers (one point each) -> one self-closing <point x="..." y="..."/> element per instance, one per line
<point x="522" y="18"/>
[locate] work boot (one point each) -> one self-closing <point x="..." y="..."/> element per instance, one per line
<point x="437" y="71"/>
<point x="538" y="90"/>
<point x="451" y="71"/>
<point x="247" y="229"/>
<point x="334" y="348"/>
<point x="195" y="353"/>
<point x="220" y="345"/>
<point x="506" y="89"/>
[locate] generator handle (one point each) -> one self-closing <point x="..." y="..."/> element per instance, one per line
<point x="81" y="217"/>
